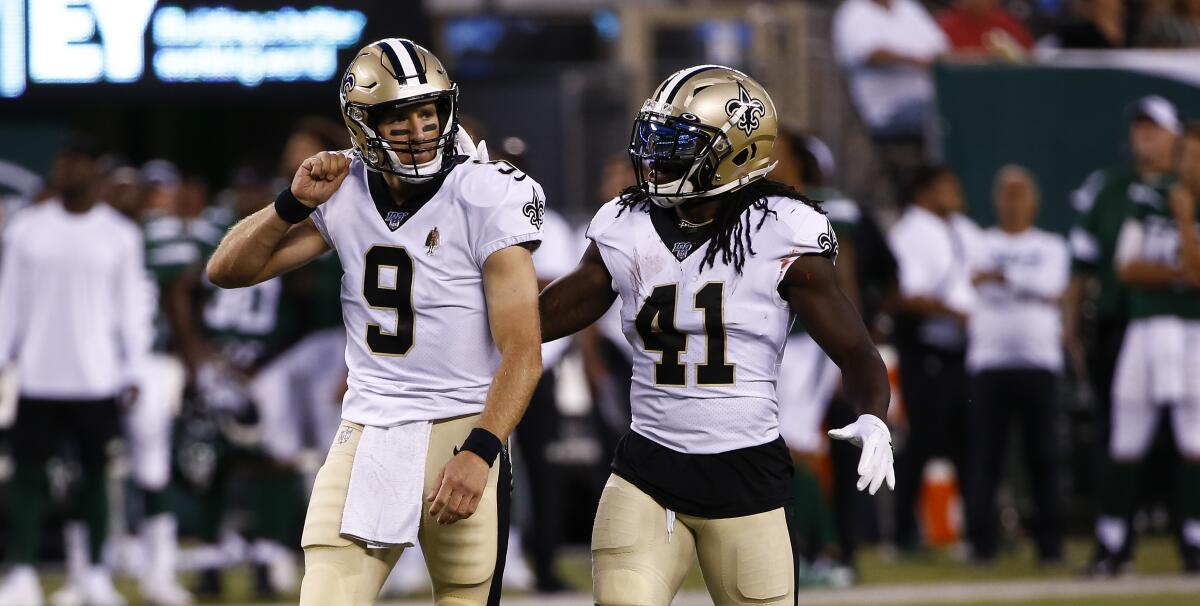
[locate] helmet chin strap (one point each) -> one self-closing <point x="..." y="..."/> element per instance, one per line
<point x="415" y="173"/>
<point x="673" y="201"/>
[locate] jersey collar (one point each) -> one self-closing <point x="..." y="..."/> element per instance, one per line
<point x="395" y="215"/>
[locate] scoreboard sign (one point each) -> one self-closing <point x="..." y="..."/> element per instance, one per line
<point x="49" y="44"/>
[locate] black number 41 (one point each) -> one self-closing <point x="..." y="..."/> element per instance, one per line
<point x="656" y="324"/>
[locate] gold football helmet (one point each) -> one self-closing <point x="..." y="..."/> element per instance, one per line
<point x="390" y="73"/>
<point x="706" y="130"/>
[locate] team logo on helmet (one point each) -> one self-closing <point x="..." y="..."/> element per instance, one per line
<point x="755" y="109"/>
<point x="535" y="209"/>
<point x="347" y="83"/>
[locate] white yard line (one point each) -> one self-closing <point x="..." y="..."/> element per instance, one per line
<point x="921" y="593"/>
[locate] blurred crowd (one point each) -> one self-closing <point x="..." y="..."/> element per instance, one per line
<point x="989" y="332"/>
<point x="887" y="47"/>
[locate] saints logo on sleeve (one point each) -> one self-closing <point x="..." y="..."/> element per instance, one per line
<point x="828" y="243"/>
<point x="535" y="209"/>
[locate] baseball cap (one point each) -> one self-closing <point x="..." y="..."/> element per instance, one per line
<point x="1159" y="111"/>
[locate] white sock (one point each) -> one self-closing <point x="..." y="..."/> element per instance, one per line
<point x="75" y="544"/>
<point x="1191" y="532"/>
<point x="1111" y="532"/>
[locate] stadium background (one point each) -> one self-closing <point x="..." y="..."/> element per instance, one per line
<point x="555" y="84"/>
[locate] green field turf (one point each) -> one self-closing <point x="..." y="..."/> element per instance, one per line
<point x="1156" y="555"/>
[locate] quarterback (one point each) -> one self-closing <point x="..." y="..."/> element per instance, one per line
<point x="439" y="300"/>
<point x="711" y="260"/>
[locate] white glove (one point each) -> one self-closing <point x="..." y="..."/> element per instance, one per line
<point x="875" y="465"/>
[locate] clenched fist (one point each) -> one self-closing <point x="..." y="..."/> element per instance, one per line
<point x="319" y="176"/>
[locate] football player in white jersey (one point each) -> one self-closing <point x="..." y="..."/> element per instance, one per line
<point x="439" y="299"/>
<point x="711" y="260"/>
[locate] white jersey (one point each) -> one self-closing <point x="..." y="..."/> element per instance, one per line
<point x="707" y="342"/>
<point x="75" y="302"/>
<point x="1017" y="323"/>
<point x="419" y="346"/>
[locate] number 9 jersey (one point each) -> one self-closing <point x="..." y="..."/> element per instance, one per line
<point x="419" y="346"/>
<point x="707" y="341"/>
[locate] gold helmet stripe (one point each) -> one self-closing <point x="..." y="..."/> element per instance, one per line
<point x="672" y="86"/>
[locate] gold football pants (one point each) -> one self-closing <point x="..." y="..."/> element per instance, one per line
<point x="465" y="559"/>
<point x="640" y="554"/>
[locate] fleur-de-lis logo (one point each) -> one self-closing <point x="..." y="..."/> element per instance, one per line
<point x="535" y="209"/>
<point x="749" y="120"/>
<point x="828" y="243"/>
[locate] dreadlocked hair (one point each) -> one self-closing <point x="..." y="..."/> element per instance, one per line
<point x="732" y="226"/>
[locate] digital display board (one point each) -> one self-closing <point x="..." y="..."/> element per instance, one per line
<point x="140" y="47"/>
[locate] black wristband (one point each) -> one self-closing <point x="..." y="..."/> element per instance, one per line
<point x="483" y="443"/>
<point x="291" y="209"/>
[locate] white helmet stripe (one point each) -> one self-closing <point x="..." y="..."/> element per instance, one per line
<point x="397" y="52"/>
<point x="672" y="87"/>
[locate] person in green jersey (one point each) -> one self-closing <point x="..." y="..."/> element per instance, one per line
<point x="1101" y="206"/>
<point x="1158" y="371"/>
<point x="249" y="330"/>
<point x="170" y="256"/>
<point x="809" y="382"/>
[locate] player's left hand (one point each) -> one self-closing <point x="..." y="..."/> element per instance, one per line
<point x="458" y="488"/>
<point x="875" y="466"/>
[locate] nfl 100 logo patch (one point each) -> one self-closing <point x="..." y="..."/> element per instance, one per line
<point x="395" y="219"/>
<point x="682" y="250"/>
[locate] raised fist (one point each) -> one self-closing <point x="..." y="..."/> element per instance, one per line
<point x="319" y="177"/>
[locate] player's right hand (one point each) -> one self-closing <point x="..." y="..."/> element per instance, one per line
<point x="875" y="466"/>
<point x="319" y="177"/>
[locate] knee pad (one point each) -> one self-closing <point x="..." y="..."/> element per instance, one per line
<point x="330" y="577"/>
<point x="1132" y="430"/>
<point x="763" y="576"/>
<point x="622" y="587"/>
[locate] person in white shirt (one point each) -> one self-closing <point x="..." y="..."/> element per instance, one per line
<point x="886" y="47"/>
<point x="75" y="325"/>
<point x="931" y="245"/>
<point x="1014" y="357"/>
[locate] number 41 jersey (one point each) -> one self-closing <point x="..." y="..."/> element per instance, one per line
<point x="707" y="341"/>
<point x="419" y="346"/>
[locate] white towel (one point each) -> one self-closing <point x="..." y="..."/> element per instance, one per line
<point x="387" y="481"/>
